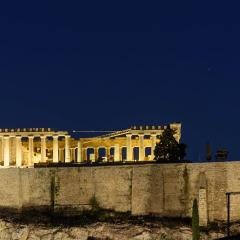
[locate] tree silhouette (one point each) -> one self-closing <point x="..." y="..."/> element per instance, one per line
<point x="208" y="152"/>
<point x="182" y="150"/>
<point x="222" y="154"/>
<point x="168" y="149"/>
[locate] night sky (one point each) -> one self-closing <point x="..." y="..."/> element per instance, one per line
<point x="111" y="65"/>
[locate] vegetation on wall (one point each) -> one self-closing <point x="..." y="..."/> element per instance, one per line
<point x="98" y="213"/>
<point x="184" y="199"/>
<point x="168" y="149"/>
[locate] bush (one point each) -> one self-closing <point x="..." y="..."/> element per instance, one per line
<point x="95" y="205"/>
<point x="104" y="215"/>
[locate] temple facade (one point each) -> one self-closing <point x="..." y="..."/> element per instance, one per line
<point x="26" y="147"/>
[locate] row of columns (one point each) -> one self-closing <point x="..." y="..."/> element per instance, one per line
<point x="82" y="153"/>
<point x="141" y="146"/>
<point x="55" y="149"/>
<point x="129" y="152"/>
<point x="6" y="149"/>
<point x="56" y="153"/>
<point x="61" y="154"/>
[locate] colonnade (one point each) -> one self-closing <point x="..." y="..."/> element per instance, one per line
<point x="141" y="137"/>
<point x="76" y="152"/>
<point x="19" y="150"/>
<point x="82" y="152"/>
<point x="19" y="145"/>
<point x="141" y="146"/>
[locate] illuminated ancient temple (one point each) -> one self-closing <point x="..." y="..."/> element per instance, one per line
<point x="26" y="147"/>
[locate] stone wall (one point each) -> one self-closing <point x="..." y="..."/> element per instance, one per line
<point x="158" y="189"/>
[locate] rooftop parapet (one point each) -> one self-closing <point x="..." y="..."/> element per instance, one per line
<point x="31" y="131"/>
<point x="26" y="130"/>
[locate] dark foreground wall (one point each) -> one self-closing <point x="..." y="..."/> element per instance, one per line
<point x="159" y="189"/>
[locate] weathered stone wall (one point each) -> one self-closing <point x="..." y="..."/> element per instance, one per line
<point x="159" y="189"/>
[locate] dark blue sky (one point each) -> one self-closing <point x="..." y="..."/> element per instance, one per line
<point x="110" y="65"/>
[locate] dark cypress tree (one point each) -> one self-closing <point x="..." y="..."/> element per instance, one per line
<point x="195" y="221"/>
<point x="168" y="149"/>
<point x="208" y="152"/>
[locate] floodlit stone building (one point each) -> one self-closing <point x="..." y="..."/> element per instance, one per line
<point x="24" y="147"/>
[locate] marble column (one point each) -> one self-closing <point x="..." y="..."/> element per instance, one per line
<point x="67" y="149"/>
<point x="79" y="152"/>
<point x="84" y="154"/>
<point x="18" y="151"/>
<point x="141" y="148"/>
<point x="30" y="146"/>
<point x="96" y="154"/>
<point x="120" y="154"/>
<point x="6" y="149"/>
<point x="116" y="153"/>
<point x="43" y="148"/>
<point x="75" y="154"/>
<point x="72" y="154"/>
<point x="2" y="149"/>
<point x="61" y="155"/>
<point x="107" y="153"/>
<point x="154" y="138"/>
<point x="129" y="147"/>
<point x="55" y="149"/>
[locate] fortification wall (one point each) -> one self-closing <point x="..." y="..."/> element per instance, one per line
<point x="159" y="189"/>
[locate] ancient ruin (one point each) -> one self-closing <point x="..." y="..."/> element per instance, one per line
<point x="25" y="147"/>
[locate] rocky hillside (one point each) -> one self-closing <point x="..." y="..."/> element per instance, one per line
<point x="98" y="230"/>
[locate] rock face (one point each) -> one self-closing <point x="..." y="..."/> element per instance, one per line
<point x="97" y="231"/>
